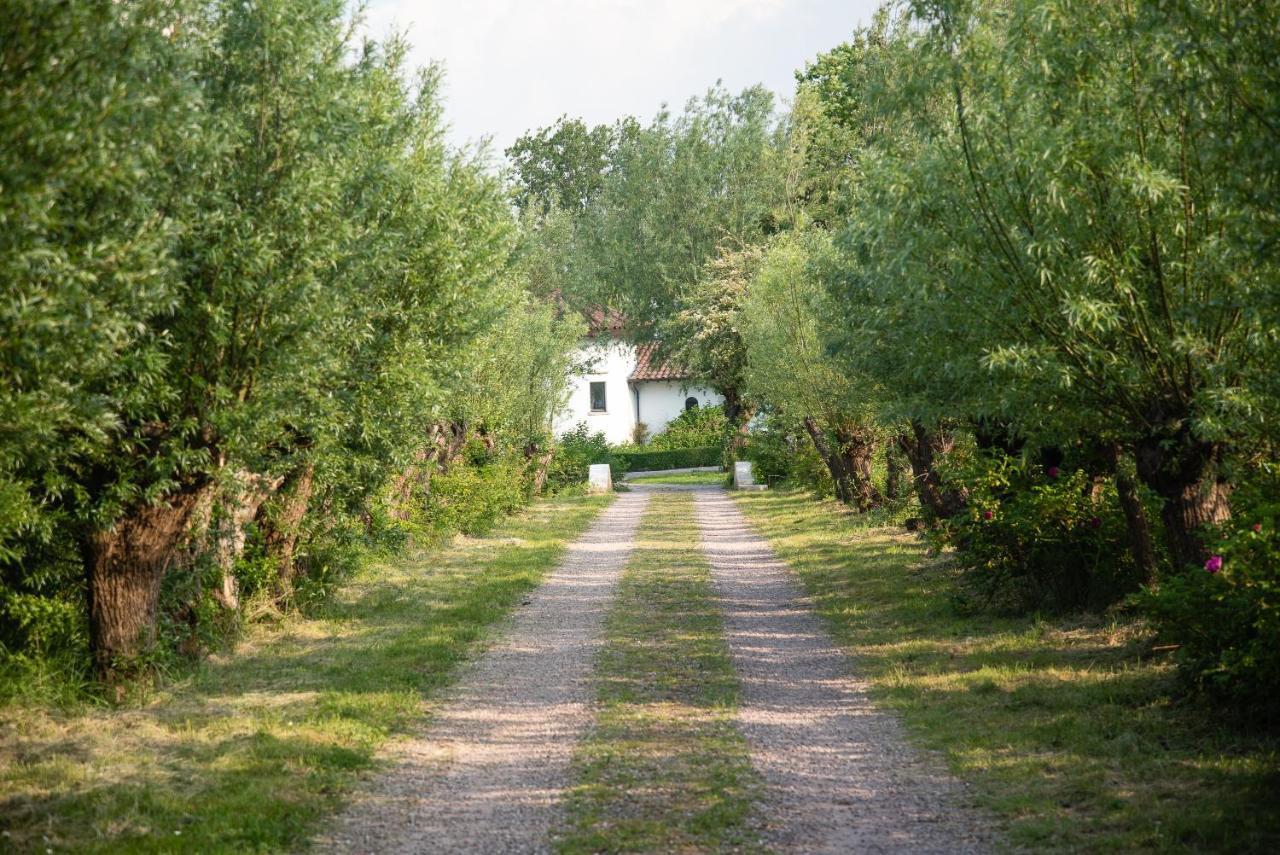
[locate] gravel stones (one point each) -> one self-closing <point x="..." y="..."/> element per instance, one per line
<point x="490" y="770"/>
<point x="488" y="773"/>
<point x="839" y="775"/>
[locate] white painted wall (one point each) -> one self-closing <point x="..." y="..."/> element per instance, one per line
<point x="612" y="362"/>
<point x="663" y="400"/>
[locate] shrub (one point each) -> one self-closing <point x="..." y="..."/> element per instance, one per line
<point x="695" y="428"/>
<point x="779" y="454"/>
<point x="470" y="498"/>
<point x="1036" y="538"/>
<point x="574" y="454"/>
<point x="676" y="458"/>
<point x="1226" y="615"/>
<point x="479" y="487"/>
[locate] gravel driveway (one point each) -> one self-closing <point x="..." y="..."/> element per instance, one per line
<point x="839" y="776"/>
<point x="489" y="771"/>
<point x="487" y="774"/>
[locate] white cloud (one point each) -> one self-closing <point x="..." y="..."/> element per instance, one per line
<point x="511" y="66"/>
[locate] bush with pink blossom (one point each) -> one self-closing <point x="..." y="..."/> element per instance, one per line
<point x="1225" y="615"/>
<point x="1036" y="538"/>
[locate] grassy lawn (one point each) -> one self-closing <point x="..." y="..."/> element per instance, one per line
<point x="252" y="750"/>
<point x="664" y="769"/>
<point x="1067" y="728"/>
<point x="717" y="478"/>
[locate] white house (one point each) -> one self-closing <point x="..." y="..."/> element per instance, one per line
<point x="623" y="385"/>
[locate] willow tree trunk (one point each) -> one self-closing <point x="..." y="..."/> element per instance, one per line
<point x="737" y="414"/>
<point x="1138" y="526"/>
<point x="125" y="567"/>
<point x="893" y="473"/>
<point x="539" y="459"/>
<point x="451" y="438"/>
<point x="416" y="478"/>
<point x="835" y="465"/>
<point x="857" y="448"/>
<point x="1184" y="473"/>
<point x="238" y="507"/>
<point x="280" y="521"/>
<point x="923" y="446"/>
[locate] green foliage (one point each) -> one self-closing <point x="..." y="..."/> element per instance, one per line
<point x="1036" y="538"/>
<point x="676" y="458"/>
<point x="688" y="183"/>
<point x="239" y="246"/>
<point x="706" y="334"/>
<point x="513" y="378"/>
<point x="780" y="453"/>
<point x="1226" y="616"/>
<point x="695" y="428"/>
<point x="85" y="248"/>
<point x="790" y="324"/>
<point x="1039" y="232"/>
<point x="565" y="166"/>
<point x="470" y="498"/>
<point x="575" y="451"/>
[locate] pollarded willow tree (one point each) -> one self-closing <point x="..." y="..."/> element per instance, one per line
<point x="1058" y="242"/>
<point x="422" y="273"/>
<point x="85" y="239"/>
<point x="263" y="227"/>
<point x="259" y="261"/>
<point x="789" y="323"/>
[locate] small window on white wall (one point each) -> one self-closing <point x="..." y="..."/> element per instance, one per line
<point x="691" y="403"/>
<point x="597" y="397"/>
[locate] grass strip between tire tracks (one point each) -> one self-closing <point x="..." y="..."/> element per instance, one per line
<point x="1066" y="728"/>
<point x="664" y="769"/>
<point x="250" y="752"/>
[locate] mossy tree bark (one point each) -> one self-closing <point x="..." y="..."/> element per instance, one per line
<point x="126" y="565"/>
<point x="1184" y="472"/>
<point x="923" y="446"/>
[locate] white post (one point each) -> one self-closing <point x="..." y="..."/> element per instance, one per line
<point x="600" y="479"/>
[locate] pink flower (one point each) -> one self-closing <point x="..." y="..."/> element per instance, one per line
<point x="1095" y="523"/>
<point x="1257" y="527"/>
<point x="1052" y="471"/>
<point x="1214" y="564"/>
<point x="986" y="515"/>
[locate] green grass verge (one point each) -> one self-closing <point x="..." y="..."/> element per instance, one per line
<point x="1067" y="729"/>
<point x="664" y="769"/>
<point x="716" y="478"/>
<point x="254" y="749"/>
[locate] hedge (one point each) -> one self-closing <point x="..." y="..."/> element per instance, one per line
<point x="675" y="458"/>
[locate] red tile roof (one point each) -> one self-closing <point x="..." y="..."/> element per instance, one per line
<point x="648" y="366"/>
<point x="604" y="322"/>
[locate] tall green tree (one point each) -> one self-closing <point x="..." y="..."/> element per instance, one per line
<point x="667" y="196"/>
<point x="1056" y="247"/>
<point x="789" y="323"/>
<point x="706" y="334"/>
<point x="566" y="165"/>
<point x="96" y="100"/>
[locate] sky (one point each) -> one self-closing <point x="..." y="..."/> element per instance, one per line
<point x="512" y="66"/>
